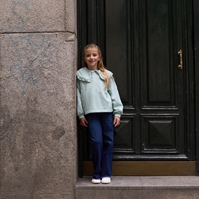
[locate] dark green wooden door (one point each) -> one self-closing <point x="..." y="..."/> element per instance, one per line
<point x="140" y="41"/>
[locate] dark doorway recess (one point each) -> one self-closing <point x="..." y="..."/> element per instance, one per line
<point x="149" y="45"/>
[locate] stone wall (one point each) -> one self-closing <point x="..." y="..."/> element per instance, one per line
<point x="38" y="144"/>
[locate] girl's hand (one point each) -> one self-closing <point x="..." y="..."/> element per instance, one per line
<point x="116" y="121"/>
<point x="83" y="122"/>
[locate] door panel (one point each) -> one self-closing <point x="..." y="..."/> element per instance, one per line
<point x="140" y="41"/>
<point x="124" y="138"/>
<point x="162" y="118"/>
<point x="158" y="54"/>
<point x="158" y="51"/>
<point x="118" y="51"/>
<point x="158" y="111"/>
<point x="159" y="134"/>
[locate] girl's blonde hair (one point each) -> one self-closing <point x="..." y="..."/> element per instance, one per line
<point x="100" y="65"/>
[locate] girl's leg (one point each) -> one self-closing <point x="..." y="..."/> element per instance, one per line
<point x="95" y="129"/>
<point x="108" y="139"/>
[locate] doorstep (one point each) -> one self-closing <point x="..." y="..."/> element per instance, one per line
<point x="140" y="187"/>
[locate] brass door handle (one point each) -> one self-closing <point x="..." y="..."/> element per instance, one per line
<point x="180" y="66"/>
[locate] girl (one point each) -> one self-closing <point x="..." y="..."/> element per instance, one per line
<point x="99" y="108"/>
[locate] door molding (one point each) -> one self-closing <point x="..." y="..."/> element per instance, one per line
<point x="196" y="64"/>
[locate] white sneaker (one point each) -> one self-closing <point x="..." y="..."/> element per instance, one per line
<point x="106" y="180"/>
<point x="96" y="181"/>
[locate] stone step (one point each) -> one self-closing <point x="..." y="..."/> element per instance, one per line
<point x="140" y="187"/>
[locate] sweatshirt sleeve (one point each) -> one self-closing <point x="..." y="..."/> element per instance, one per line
<point x="80" y="111"/>
<point x="116" y="101"/>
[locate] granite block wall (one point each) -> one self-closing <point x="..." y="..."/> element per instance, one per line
<point x="38" y="143"/>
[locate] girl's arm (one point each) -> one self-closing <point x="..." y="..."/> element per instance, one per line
<point x="80" y="112"/>
<point x="116" y="101"/>
<point x="82" y="119"/>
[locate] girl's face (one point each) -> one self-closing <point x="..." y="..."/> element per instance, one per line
<point x="91" y="57"/>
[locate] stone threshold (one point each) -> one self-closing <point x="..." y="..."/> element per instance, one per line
<point x="140" y="187"/>
<point x="143" y="182"/>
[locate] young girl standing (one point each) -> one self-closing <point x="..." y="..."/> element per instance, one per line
<point x="99" y="108"/>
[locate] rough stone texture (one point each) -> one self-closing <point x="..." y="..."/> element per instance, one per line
<point x="36" y="15"/>
<point x="37" y="103"/>
<point x="71" y="16"/>
<point x="160" y="187"/>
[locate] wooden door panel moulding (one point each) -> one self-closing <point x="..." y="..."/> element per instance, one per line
<point x="147" y="168"/>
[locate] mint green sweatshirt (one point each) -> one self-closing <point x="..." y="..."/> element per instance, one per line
<point x="93" y="97"/>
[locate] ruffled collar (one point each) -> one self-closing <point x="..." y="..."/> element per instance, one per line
<point x="84" y="74"/>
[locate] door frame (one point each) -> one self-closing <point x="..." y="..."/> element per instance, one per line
<point x="196" y="66"/>
<point x="193" y="81"/>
